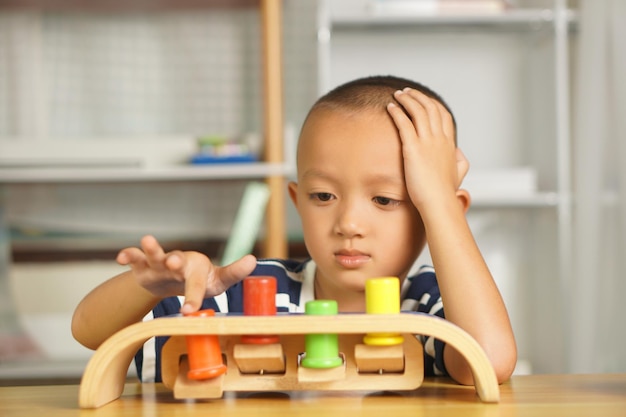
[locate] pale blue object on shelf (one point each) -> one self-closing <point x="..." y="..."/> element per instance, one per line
<point x="247" y="222"/>
<point x="9" y="324"/>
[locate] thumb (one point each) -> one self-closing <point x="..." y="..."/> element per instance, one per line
<point x="215" y="282"/>
<point x="233" y="273"/>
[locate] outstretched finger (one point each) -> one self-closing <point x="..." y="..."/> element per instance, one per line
<point x="130" y="256"/>
<point x="196" y="281"/>
<point x="153" y="250"/>
<point x="175" y="262"/>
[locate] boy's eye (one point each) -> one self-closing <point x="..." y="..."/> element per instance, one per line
<point x="322" y="196"/>
<point x="386" y="201"/>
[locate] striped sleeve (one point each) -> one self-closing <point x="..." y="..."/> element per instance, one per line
<point x="421" y="293"/>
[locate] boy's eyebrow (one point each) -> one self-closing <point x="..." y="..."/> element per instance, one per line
<point x="317" y="173"/>
<point x="374" y="178"/>
<point x="387" y="179"/>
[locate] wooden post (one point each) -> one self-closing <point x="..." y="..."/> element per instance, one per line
<point x="275" y="227"/>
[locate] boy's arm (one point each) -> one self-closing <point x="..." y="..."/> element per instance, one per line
<point x="113" y="305"/>
<point x="434" y="169"/>
<point x="470" y="296"/>
<point x="126" y="298"/>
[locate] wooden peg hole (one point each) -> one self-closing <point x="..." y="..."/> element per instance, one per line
<point x="379" y="359"/>
<point x="259" y="359"/>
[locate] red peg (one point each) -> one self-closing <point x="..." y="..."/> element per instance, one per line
<point x="204" y="353"/>
<point x="259" y="299"/>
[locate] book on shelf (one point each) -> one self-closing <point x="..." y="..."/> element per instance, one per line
<point x="440" y="6"/>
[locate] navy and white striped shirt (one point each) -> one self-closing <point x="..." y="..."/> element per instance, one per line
<point x="420" y="292"/>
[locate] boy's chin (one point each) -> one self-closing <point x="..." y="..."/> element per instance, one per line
<point x="347" y="280"/>
<point x="354" y="282"/>
<point x="356" y="286"/>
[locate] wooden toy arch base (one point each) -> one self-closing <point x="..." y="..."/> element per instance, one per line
<point x="105" y="374"/>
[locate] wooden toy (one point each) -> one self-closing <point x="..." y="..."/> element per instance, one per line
<point x="281" y="365"/>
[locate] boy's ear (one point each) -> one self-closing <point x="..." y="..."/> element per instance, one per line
<point x="293" y="192"/>
<point x="464" y="198"/>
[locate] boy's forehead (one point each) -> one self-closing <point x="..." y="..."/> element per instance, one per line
<point x="357" y="139"/>
<point x="325" y="125"/>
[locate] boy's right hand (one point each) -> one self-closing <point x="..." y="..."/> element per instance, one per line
<point x="191" y="274"/>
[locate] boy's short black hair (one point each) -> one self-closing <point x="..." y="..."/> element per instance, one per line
<point x="374" y="92"/>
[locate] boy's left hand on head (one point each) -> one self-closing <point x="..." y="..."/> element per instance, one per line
<point x="433" y="165"/>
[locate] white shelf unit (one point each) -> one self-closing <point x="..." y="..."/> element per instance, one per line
<point x="258" y="170"/>
<point x="537" y="137"/>
<point x="62" y="161"/>
<point x="524" y="17"/>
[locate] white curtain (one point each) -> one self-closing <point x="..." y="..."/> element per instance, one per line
<point x="597" y="308"/>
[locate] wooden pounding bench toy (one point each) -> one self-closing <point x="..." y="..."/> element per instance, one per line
<point x="261" y="350"/>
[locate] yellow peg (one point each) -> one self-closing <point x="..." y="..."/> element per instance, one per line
<point x="382" y="296"/>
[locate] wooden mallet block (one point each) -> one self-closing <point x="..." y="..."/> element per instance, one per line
<point x="190" y="388"/>
<point x="379" y="359"/>
<point x="259" y="359"/>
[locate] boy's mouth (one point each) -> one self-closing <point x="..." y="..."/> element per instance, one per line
<point x="351" y="259"/>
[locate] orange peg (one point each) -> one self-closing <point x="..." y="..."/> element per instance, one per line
<point x="259" y="299"/>
<point x="204" y="353"/>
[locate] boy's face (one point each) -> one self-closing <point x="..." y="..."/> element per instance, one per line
<point x="357" y="218"/>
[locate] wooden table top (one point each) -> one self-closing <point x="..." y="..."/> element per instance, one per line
<point x="535" y="395"/>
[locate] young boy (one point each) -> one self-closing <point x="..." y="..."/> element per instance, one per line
<point x="378" y="179"/>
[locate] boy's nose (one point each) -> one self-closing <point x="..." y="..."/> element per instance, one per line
<point x="350" y="221"/>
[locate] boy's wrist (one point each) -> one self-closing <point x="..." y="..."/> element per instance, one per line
<point x="442" y="209"/>
<point x="435" y="202"/>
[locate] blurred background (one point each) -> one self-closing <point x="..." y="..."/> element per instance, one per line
<point x="106" y="106"/>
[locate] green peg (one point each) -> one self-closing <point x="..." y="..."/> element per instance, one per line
<point x="322" y="350"/>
